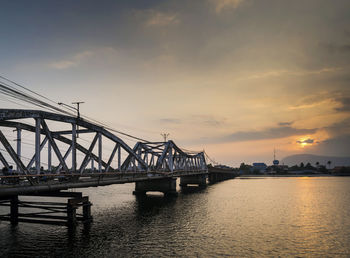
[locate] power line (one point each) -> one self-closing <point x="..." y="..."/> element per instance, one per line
<point x="17" y="84"/>
<point x="9" y="90"/>
<point x="16" y="103"/>
<point x="16" y="94"/>
<point x="211" y="160"/>
<point x="28" y="97"/>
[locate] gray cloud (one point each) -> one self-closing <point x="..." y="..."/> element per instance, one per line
<point x="345" y="104"/>
<point x="337" y="146"/>
<point x="170" y="121"/>
<point x="347" y="32"/>
<point x="285" y="123"/>
<point x="341" y="48"/>
<point x="269" y="133"/>
<point x="307" y="141"/>
<point x="204" y="120"/>
<point x="339" y="129"/>
<point x="208" y="120"/>
<point x="212" y="122"/>
<point x="339" y="141"/>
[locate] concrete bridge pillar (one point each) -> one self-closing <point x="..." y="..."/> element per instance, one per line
<point x="200" y="180"/>
<point x="217" y="176"/>
<point x="164" y="185"/>
<point x="213" y="178"/>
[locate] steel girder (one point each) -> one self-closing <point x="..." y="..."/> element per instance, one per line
<point x="165" y="156"/>
<point x="144" y="157"/>
<point x="41" y="128"/>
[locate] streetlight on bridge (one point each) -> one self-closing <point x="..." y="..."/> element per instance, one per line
<point x="165" y="136"/>
<point x="71" y="107"/>
<point x="74" y="108"/>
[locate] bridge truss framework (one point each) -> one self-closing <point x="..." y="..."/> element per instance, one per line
<point x="146" y="157"/>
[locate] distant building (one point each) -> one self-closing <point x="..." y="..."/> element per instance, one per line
<point x="275" y="169"/>
<point x="341" y="171"/>
<point x="283" y="167"/>
<point x="261" y="167"/>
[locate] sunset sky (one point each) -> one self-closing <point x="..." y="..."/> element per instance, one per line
<point x="237" y="78"/>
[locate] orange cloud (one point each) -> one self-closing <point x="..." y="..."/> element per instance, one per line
<point x="74" y="61"/>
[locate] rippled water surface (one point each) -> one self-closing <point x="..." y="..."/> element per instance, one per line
<point x="240" y="217"/>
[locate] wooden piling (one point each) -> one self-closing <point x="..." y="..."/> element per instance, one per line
<point x="86" y="210"/>
<point x="14" y="210"/>
<point x="71" y="212"/>
<point x="49" y="212"/>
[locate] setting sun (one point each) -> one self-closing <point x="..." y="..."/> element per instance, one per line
<point x="305" y="141"/>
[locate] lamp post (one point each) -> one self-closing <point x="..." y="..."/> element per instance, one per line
<point x="165" y="135"/>
<point x="78" y="107"/>
<point x="74" y="108"/>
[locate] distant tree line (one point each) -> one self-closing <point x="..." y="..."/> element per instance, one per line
<point x="278" y="169"/>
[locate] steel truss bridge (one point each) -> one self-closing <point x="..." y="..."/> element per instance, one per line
<point x="153" y="166"/>
<point x="145" y="161"/>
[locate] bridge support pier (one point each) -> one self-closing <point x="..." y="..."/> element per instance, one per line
<point x="48" y="212"/>
<point x="13" y="203"/>
<point x="200" y="180"/>
<point x="218" y="177"/>
<point x="164" y="185"/>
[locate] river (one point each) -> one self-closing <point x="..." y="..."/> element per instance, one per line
<point x="255" y="217"/>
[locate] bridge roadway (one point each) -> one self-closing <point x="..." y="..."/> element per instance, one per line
<point x="153" y="166"/>
<point x="49" y="211"/>
<point x="18" y="184"/>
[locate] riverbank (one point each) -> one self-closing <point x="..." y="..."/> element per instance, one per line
<point x="294" y="175"/>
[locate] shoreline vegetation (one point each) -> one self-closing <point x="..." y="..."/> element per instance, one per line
<point x="291" y="175"/>
<point x="262" y="170"/>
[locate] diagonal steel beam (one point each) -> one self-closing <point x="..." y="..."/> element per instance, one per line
<point x="3" y="160"/>
<point x="54" y="145"/>
<point x="87" y="156"/>
<point x="56" y="136"/>
<point x="64" y="158"/>
<point x="11" y="114"/>
<point x="164" y="154"/>
<point x="14" y="156"/>
<point x="33" y="158"/>
<point x="127" y="161"/>
<point x="151" y="161"/>
<point x="112" y="156"/>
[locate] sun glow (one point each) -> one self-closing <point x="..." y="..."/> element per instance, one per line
<point x="305" y="142"/>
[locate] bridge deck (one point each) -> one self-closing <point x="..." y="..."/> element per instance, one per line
<point x="13" y="185"/>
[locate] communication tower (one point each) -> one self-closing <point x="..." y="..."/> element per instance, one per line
<point x="275" y="161"/>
